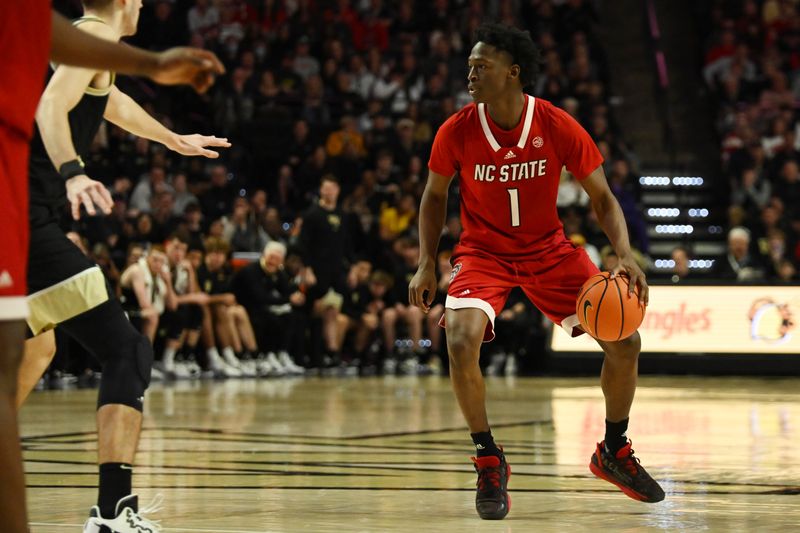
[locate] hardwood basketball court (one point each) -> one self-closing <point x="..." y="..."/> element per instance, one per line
<point x="392" y="454"/>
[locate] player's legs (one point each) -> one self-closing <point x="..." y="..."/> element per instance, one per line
<point x="389" y="326"/>
<point x="223" y="326"/>
<point x="12" y="489"/>
<point x="39" y="353"/>
<point x="465" y="331"/>
<point x="67" y="290"/>
<point x="244" y="327"/>
<point x="149" y="325"/>
<point x="618" y="376"/>
<point x="174" y="323"/>
<point x="413" y="317"/>
<point x="477" y="292"/>
<point x="126" y="357"/>
<point x="13" y="309"/>
<point x="554" y="290"/>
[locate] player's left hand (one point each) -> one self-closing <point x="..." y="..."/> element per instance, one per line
<point x="190" y="66"/>
<point x="91" y="194"/>
<point x="195" y="144"/>
<point x="629" y="266"/>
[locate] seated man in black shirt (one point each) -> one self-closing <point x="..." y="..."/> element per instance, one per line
<point x="264" y="289"/>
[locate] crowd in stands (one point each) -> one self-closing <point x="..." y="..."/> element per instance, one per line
<point x="296" y="246"/>
<point x="752" y="67"/>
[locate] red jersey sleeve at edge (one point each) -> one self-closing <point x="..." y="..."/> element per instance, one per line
<point x="576" y="148"/>
<point x="447" y="147"/>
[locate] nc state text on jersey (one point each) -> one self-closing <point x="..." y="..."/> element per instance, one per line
<point x="511" y="172"/>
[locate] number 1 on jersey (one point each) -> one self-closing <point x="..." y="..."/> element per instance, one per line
<point x="513" y="198"/>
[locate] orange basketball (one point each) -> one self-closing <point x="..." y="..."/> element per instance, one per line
<point x="606" y="311"/>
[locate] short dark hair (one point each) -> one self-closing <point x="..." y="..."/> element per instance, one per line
<point x="329" y="177"/>
<point x="516" y="43"/>
<point x="97" y="4"/>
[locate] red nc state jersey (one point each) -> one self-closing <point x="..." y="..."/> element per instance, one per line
<point x="509" y="179"/>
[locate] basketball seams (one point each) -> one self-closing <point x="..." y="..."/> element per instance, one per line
<point x="602" y="278"/>
<point x="621" y="308"/>
<point x="599" y="303"/>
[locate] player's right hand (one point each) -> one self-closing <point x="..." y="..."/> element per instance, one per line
<point x="191" y="66"/>
<point x="91" y="194"/>
<point x="422" y="288"/>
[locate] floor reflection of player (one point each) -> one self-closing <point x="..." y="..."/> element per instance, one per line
<point x="508" y="149"/>
<point x="30" y="33"/>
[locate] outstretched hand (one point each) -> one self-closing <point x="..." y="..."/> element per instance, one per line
<point x="196" y="144"/>
<point x="190" y="66"/>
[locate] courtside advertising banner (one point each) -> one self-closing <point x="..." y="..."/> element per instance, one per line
<point x="697" y="319"/>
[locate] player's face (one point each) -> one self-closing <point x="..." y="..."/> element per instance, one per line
<point x="176" y="251"/>
<point x="215" y="260"/>
<point x="490" y="73"/>
<point x="131" y="16"/>
<point x="157" y="262"/>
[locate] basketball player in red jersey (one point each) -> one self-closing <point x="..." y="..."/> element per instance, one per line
<point x="29" y="33"/>
<point x="508" y="149"/>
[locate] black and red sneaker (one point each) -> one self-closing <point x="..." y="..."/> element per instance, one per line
<point x="625" y="471"/>
<point x="492" y="500"/>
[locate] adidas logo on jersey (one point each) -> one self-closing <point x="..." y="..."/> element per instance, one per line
<point x="5" y="280"/>
<point x="510" y="155"/>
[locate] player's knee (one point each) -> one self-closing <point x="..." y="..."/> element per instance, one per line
<point x="463" y="345"/>
<point x="625" y="349"/>
<point x="126" y="374"/>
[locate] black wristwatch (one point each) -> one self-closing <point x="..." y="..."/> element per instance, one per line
<point x="71" y="169"/>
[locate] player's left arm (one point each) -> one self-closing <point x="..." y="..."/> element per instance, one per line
<point x="609" y="214"/>
<point x="123" y="111"/>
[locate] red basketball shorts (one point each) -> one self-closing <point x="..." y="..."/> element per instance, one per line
<point x="13" y="225"/>
<point x="551" y="282"/>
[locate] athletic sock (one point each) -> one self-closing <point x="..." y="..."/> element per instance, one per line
<point x="484" y="444"/>
<point x="169" y="359"/>
<point x="615" y="435"/>
<point x="115" y="484"/>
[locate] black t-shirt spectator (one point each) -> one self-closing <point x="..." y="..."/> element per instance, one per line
<point x="325" y="245"/>
<point x="218" y="282"/>
<point x="356" y="301"/>
<point x="258" y="290"/>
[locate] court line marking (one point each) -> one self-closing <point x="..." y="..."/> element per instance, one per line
<point x="215" y="530"/>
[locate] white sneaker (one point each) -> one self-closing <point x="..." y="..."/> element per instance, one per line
<point x="511" y="365"/>
<point x="193" y="369"/>
<point x="389" y="366"/>
<point x="496" y="364"/>
<point x="230" y="359"/>
<point x="156" y="374"/>
<point x="221" y="368"/>
<point x="126" y="520"/>
<point x="249" y="368"/>
<point x="277" y="368"/>
<point x="289" y="364"/>
<point x="409" y="366"/>
<point x="181" y="370"/>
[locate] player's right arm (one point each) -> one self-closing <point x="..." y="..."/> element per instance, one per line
<point x="140" y="290"/>
<point x="193" y="66"/>
<point x="432" y="212"/>
<point x="195" y="295"/>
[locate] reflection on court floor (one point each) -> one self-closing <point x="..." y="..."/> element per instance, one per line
<point x="392" y="454"/>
